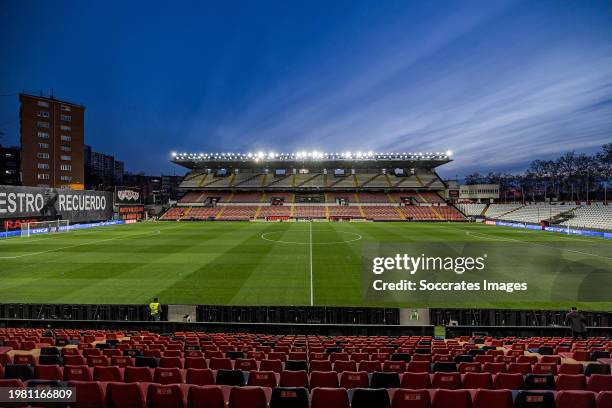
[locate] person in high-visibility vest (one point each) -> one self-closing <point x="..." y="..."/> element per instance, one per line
<point x="155" y="310"/>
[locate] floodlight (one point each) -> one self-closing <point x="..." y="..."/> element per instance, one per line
<point x="449" y="153"/>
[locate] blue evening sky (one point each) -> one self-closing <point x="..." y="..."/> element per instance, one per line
<point x="498" y="82"/>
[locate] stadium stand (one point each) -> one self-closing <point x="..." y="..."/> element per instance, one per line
<point x="382" y="213"/>
<point x="596" y="216"/>
<point x="473" y="210"/>
<point x="364" y="190"/>
<point x="534" y="213"/>
<point x="329" y="379"/>
<point x="496" y="211"/>
<point x="309" y="211"/>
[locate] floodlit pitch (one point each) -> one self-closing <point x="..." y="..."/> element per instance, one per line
<point x="232" y="263"/>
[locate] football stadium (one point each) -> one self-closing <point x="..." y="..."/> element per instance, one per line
<point x="306" y="204"/>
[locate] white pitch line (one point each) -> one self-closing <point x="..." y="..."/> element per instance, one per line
<point x="156" y="232"/>
<point x="311" y="279"/>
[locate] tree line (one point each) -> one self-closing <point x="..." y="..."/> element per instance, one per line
<point x="570" y="177"/>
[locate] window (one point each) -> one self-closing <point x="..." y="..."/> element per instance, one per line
<point x="42" y="114"/>
<point x="64" y="127"/>
<point x="43" y="145"/>
<point x="66" y="167"/>
<point x="65" y="138"/>
<point x="66" y="118"/>
<point x="67" y="158"/>
<point x="43" y="166"/>
<point x="42" y="104"/>
<point x="65" y="148"/>
<point x="42" y="155"/>
<point x="11" y="172"/>
<point x="65" y="108"/>
<point x="43" y="176"/>
<point x="43" y="135"/>
<point x="43" y="124"/>
<point x="66" y="178"/>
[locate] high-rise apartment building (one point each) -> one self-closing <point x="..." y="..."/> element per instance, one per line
<point x="52" y="139"/>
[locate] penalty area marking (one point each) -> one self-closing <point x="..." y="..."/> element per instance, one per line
<point x="156" y="232"/>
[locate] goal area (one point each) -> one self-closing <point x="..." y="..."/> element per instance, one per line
<point x="44" y="227"/>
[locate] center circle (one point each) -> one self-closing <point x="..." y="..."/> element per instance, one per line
<point x="351" y="237"/>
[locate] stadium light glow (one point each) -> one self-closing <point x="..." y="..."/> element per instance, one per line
<point x="449" y="153"/>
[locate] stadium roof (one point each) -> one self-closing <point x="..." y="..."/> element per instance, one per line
<point x="312" y="158"/>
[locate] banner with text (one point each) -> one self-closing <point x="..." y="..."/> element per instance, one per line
<point x="50" y="204"/>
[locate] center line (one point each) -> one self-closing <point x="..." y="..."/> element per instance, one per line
<point x="311" y="287"/>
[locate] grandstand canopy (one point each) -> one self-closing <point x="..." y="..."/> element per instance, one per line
<point x="311" y="160"/>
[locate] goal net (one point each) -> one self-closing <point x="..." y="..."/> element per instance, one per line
<point x="44" y="227"/>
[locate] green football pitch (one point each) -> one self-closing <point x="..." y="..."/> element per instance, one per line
<point x="229" y="263"/>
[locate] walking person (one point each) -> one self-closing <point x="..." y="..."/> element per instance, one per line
<point x="577" y="323"/>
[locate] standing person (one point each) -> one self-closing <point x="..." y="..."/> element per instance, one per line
<point x="155" y="310"/>
<point x="577" y="323"/>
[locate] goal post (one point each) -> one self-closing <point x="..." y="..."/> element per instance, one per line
<point x="44" y="227"/>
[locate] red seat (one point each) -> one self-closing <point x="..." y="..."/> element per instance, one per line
<point x="24" y="359"/>
<point x="247" y="397"/>
<point x="262" y="379"/>
<point x="100" y="361"/>
<point x="571" y="369"/>
<point x="195" y="362"/>
<point x="370" y="366"/>
<point x="170" y="362"/>
<point x="120" y="395"/>
<point x="77" y="373"/>
<point x="493" y="399"/>
<point x="320" y="365"/>
<point x="324" y="379"/>
<point x="47" y="372"/>
<point x="599" y="382"/>
<point x="527" y="359"/>
<point x="167" y="376"/>
<point x="137" y="374"/>
<point x="469" y="368"/>
<point x="449" y="381"/>
<point x="570" y="382"/>
<point x="477" y="380"/>
<point x="416" y="381"/>
<point x="165" y="396"/>
<point x="111" y="373"/>
<point x="575" y="399"/>
<point x="89" y="394"/>
<point x="271" y="365"/>
<point x="452" y="398"/>
<point x="418" y="367"/>
<point x="245" y="364"/>
<point x="74" y="360"/>
<point x="209" y="396"/>
<point x="411" y="399"/>
<point x="277" y="356"/>
<point x="294" y="379"/>
<point x="339" y="357"/>
<point x="329" y="398"/>
<point x="197" y="376"/>
<point x="482" y="358"/>
<point x="220" y="364"/>
<point x="394" y="367"/>
<point x="508" y="381"/>
<point x="521" y="368"/>
<point x="122" y="361"/>
<point x="112" y="353"/>
<point x="544" y="368"/>
<point x="604" y="399"/>
<point x="494" y="368"/>
<point x="342" y="365"/>
<point x="359" y="357"/>
<point x="358" y="379"/>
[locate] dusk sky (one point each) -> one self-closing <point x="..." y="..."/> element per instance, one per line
<point x="499" y="83"/>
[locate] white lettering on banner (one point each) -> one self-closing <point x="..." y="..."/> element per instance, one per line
<point x="24" y="203"/>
